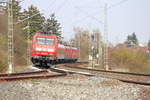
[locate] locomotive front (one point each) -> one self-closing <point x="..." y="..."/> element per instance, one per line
<point x="44" y="49"/>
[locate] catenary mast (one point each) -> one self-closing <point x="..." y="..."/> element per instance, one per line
<point x="10" y="37"/>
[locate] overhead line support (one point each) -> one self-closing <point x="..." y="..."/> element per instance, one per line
<point x="105" y="38"/>
<point x="10" y="37"/>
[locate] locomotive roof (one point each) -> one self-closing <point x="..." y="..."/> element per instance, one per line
<point x="42" y="35"/>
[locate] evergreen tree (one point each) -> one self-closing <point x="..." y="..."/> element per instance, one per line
<point x="132" y="40"/>
<point x="35" y="22"/>
<point x="52" y="25"/>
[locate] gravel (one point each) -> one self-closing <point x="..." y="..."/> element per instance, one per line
<point x="72" y="88"/>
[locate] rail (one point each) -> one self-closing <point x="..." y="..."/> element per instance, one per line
<point x="29" y="75"/>
<point x="142" y="79"/>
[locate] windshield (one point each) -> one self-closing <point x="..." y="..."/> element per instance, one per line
<point x="49" y="41"/>
<point x="40" y="40"/>
<point x="46" y="41"/>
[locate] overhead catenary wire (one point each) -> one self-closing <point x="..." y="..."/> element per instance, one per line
<point x="61" y="5"/>
<point x="106" y="7"/>
<point x="27" y="18"/>
<point x="92" y="17"/>
<point x="117" y="4"/>
<point x="109" y="7"/>
<point x="57" y="8"/>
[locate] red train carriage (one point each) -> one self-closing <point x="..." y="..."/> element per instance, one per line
<point x="46" y="49"/>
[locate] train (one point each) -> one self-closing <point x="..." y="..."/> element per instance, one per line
<point x="46" y="49"/>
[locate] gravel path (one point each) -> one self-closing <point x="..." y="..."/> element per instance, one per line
<point x="72" y="88"/>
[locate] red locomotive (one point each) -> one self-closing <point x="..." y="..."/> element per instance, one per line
<point x="47" y="50"/>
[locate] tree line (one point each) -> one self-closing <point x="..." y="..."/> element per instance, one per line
<point x="132" y="40"/>
<point x="34" y="20"/>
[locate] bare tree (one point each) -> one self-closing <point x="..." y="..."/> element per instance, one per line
<point x="82" y="41"/>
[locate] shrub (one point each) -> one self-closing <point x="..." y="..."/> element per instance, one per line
<point x="134" y="60"/>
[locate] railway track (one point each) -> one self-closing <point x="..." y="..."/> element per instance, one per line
<point x="43" y="74"/>
<point x="23" y="73"/>
<point x="29" y="75"/>
<point x="65" y="69"/>
<point x="60" y="70"/>
<point x="142" y="79"/>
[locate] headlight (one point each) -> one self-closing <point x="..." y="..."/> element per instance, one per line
<point x="50" y="50"/>
<point x="38" y="49"/>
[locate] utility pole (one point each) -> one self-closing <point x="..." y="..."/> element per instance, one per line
<point x="10" y="37"/>
<point x="105" y="38"/>
<point x="28" y="42"/>
<point x="100" y="50"/>
<point x="89" y="49"/>
<point x="93" y="47"/>
<point x="79" y="47"/>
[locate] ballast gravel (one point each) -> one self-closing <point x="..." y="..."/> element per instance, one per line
<point x="76" y="88"/>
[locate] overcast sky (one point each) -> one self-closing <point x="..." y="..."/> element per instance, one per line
<point x="123" y="19"/>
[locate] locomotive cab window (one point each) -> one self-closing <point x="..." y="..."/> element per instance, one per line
<point x="49" y="41"/>
<point x="40" y="40"/>
<point x="46" y="41"/>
